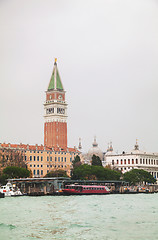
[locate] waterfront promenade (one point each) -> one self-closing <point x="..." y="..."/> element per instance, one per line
<point x="54" y="185"/>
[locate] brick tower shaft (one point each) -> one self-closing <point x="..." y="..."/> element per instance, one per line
<point x="55" y="116"/>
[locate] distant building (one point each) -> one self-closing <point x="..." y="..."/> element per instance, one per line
<point x="39" y="159"/>
<point x="94" y="150"/>
<point x="134" y="159"/>
<point x="54" y="154"/>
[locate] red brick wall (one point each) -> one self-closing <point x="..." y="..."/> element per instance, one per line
<point x="55" y="134"/>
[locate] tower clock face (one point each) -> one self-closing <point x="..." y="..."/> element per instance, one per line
<point x="60" y="97"/>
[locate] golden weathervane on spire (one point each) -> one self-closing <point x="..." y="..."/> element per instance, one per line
<point x="55" y="60"/>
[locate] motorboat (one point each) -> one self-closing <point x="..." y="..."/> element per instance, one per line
<point x="85" y="189"/>
<point x="10" y="191"/>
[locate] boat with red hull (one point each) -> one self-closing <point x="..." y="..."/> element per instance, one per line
<point x="85" y="189"/>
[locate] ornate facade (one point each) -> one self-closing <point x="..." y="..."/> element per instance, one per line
<point x="137" y="159"/>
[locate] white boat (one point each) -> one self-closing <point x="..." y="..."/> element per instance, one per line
<point x="10" y="191"/>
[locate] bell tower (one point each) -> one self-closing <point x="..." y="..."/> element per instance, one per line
<point x="55" y="112"/>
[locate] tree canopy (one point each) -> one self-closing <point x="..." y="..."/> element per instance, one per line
<point x="11" y="157"/>
<point x="89" y="172"/>
<point x="136" y="176"/>
<point x="76" y="162"/>
<point x="16" y="172"/>
<point x="57" y="173"/>
<point x="96" y="161"/>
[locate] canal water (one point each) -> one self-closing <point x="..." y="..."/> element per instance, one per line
<point x="106" y="217"/>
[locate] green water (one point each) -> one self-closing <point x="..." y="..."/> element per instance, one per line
<point x="109" y="217"/>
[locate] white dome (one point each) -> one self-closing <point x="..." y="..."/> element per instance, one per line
<point x="95" y="150"/>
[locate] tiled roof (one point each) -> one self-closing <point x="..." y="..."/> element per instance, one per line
<point x="36" y="147"/>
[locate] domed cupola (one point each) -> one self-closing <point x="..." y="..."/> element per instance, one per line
<point x="95" y="150"/>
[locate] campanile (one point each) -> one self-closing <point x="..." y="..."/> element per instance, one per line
<point x="55" y="112"/>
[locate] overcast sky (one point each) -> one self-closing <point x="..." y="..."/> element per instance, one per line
<point x="107" y="53"/>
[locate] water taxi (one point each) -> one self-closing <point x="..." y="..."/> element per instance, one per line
<point x="10" y="191"/>
<point x="85" y="189"/>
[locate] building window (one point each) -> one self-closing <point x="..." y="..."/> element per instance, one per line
<point x="128" y="161"/>
<point x="55" y="166"/>
<point x="117" y="161"/>
<point x="47" y="165"/>
<point x="55" y="159"/>
<point x="41" y="159"/>
<point x="34" y="165"/>
<point x="62" y="159"/>
<point x="30" y="165"/>
<point x="149" y="161"/>
<point x="146" y="161"/>
<point x="140" y="161"/>
<point x="30" y="158"/>
<point x="124" y="161"/>
<point x="136" y="161"/>
<point x="25" y="158"/>
<point x="62" y="166"/>
<point x="34" y="172"/>
<point x="70" y="159"/>
<point x="132" y="161"/>
<point x="47" y="171"/>
<point x="58" y="159"/>
<point x="37" y="158"/>
<point x="59" y="166"/>
<point x="143" y="161"/>
<point x="41" y="165"/>
<point x="65" y="159"/>
<point x="37" y="165"/>
<point x="51" y="159"/>
<point x="121" y="161"/>
<point x="47" y="159"/>
<point x="34" y="158"/>
<point x="112" y="162"/>
<point x="41" y="172"/>
<point x="152" y="161"/>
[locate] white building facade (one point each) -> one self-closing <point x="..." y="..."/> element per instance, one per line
<point x="135" y="159"/>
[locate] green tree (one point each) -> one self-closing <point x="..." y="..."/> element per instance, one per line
<point x="96" y="161"/>
<point x="95" y="172"/>
<point x="3" y="178"/>
<point x="16" y="172"/>
<point x="76" y="162"/>
<point x="57" y="173"/>
<point x="138" y="176"/>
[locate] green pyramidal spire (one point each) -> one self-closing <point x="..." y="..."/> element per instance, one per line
<point x="55" y="81"/>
